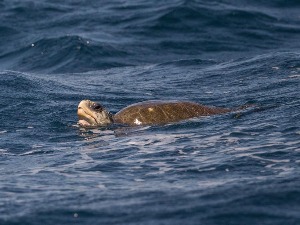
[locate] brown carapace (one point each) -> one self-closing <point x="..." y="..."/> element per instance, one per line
<point x="163" y="112"/>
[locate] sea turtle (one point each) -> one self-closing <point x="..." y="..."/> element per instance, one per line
<point x="144" y="113"/>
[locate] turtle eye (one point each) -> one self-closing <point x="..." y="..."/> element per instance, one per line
<point x="96" y="106"/>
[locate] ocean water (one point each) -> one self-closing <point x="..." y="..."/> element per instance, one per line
<point x="236" y="168"/>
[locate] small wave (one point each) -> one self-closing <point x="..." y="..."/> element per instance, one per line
<point x="67" y="53"/>
<point x="189" y="62"/>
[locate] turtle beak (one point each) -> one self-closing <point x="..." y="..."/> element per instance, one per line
<point x="85" y="115"/>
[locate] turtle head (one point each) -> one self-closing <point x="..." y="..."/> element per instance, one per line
<point x="93" y="114"/>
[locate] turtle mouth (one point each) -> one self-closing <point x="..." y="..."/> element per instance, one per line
<point x="84" y="118"/>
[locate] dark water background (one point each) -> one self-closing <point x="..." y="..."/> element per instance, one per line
<point x="228" y="169"/>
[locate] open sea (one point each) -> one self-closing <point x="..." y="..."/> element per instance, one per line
<point x="233" y="169"/>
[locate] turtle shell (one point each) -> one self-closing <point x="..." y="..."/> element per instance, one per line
<point x="163" y="112"/>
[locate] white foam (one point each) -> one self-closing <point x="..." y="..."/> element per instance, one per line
<point x="294" y="76"/>
<point x="139" y="180"/>
<point x="269" y="160"/>
<point x="284" y="171"/>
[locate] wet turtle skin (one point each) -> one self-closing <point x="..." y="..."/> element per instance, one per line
<point x="163" y="112"/>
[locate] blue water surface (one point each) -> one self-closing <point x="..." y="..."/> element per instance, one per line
<point x="237" y="168"/>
